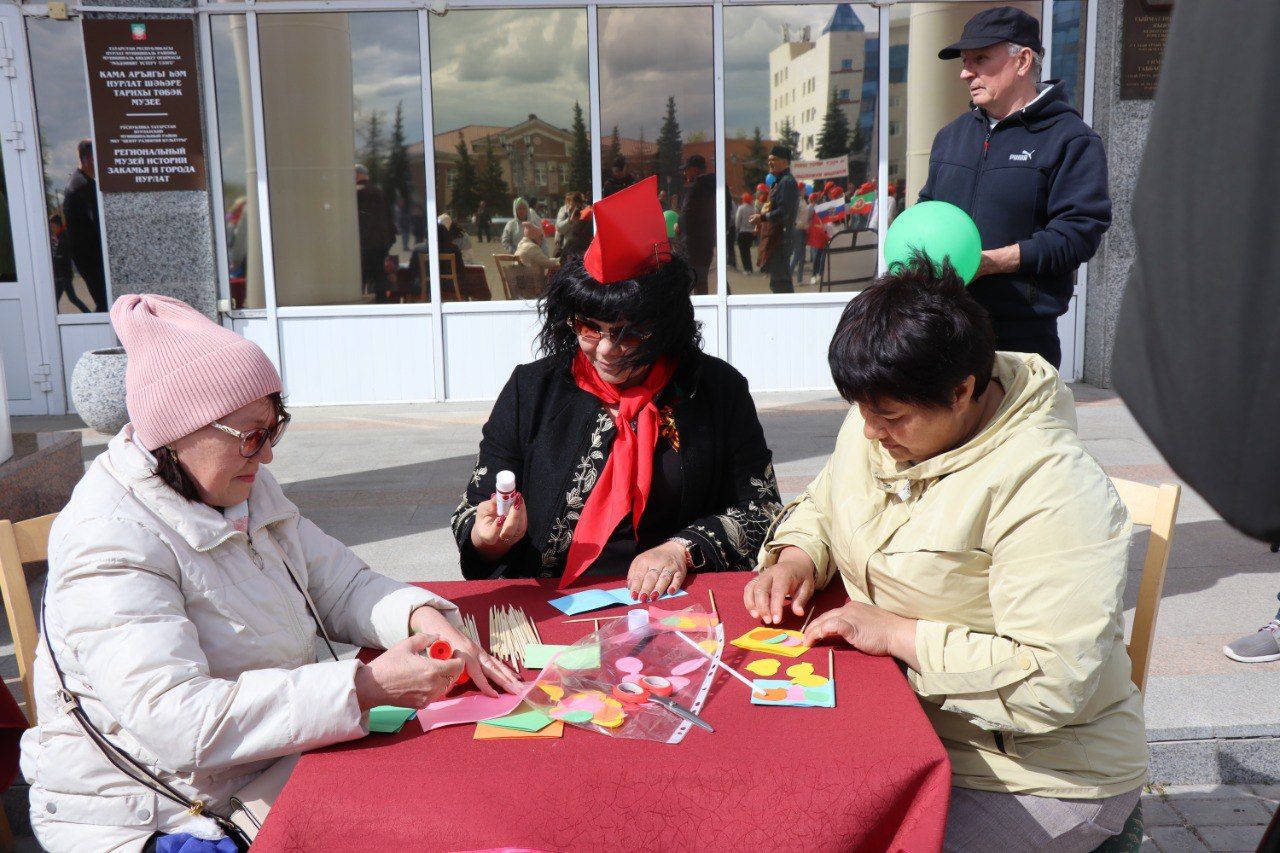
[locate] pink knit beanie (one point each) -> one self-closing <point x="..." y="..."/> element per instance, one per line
<point x="184" y="371"/>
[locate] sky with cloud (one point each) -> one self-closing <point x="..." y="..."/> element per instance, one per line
<point x="62" y="95"/>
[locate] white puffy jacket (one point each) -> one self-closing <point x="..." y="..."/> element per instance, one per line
<point x="185" y="653"/>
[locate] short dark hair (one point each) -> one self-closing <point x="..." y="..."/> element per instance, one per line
<point x="658" y="302"/>
<point x="170" y="470"/>
<point x="620" y="162"/>
<point x="84" y="149"/>
<point x="913" y="336"/>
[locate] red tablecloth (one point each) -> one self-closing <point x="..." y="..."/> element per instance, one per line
<point x="12" y="724"/>
<point x="868" y="774"/>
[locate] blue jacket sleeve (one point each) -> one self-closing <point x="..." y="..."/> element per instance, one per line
<point x="1079" y="210"/>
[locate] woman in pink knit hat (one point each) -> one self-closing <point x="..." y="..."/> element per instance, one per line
<point x="185" y="599"/>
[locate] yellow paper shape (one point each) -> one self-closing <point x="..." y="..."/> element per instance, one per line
<point x="798" y="669"/>
<point x="486" y="732"/>
<point x="555" y="691"/>
<point x="750" y="643"/>
<point x="709" y="646"/>
<point x="611" y="716"/>
<point x="810" y="680"/>
<point x="764" y="666"/>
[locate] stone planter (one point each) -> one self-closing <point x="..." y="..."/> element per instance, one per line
<point x="97" y="389"/>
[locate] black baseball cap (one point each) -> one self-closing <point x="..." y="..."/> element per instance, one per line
<point x="992" y="26"/>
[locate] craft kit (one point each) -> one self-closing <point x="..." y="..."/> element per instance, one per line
<point x="774" y="641"/>
<point x="805" y="689"/>
<point x="666" y="681"/>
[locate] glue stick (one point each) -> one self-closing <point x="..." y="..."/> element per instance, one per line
<point x="506" y="487"/>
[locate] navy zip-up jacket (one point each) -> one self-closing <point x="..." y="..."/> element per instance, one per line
<point x="1038" y="179"/>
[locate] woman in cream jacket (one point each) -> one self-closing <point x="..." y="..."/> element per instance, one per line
<point x="984" y="548"/>
<point x="180" y="600"/>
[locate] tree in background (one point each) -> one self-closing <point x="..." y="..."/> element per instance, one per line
<point x="642" y="161"/>
<point x="374" y="150"/>
<point x="490" y="185"/>
<point x="833" y="140"/>
<point x="670" y="153"/>
<point x="465" y="196"/>
<point x="580" y="155"/>
<point x="614" y="151"/>
<point x="396" y="179"/>
<point x="790" y="137"/>
<point x="753" y="165"/>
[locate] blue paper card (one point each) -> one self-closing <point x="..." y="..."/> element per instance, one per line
<point x="796" y="696"/>
<point x="594" y="599"/>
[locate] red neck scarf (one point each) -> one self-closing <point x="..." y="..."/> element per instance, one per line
<point x="624" y="484"/>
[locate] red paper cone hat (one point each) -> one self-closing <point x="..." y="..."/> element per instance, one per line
<point x="631" y="234"/>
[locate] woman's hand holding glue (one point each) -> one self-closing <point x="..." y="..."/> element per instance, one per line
<point x="501" y="521"/>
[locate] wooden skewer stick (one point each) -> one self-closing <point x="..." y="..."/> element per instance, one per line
<point x="812" y="610"/>
<point x="718" y="663"/>
<point x="831" y="665"/>
<point x="712" y="595"/>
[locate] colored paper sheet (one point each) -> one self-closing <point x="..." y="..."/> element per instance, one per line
<point x="595" y="599"/>
<point x="764" y="666"/>
<point x="388" y="719"/>
<point x="757" y="640"/>
<point x="525" y="719"/>
<point x="484" y="731"/>
<point x="538" y="655"/>
<point x="786" y="694"/>
<point x="469" y="708"/>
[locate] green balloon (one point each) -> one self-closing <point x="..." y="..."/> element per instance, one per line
<point x="939" y="229"/>
<point x="673" y="219"/>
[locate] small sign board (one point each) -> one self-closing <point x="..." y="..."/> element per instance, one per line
<point x="144" y="90"/>
<point x="1145" y="28"/>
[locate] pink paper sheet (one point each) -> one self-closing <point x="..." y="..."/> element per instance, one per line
<point x="471" y="708"/>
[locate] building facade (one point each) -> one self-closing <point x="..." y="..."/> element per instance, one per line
<point x="335" y="270"/>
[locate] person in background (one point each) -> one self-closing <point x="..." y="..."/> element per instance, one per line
<point x="563" y="215"/>
<point x="513" y="232"/>
<point x="574" y="239"/>
<point x="780" y="218"/>
<point x="63" y="274"/>
<point x="535" y="265"/>
<point x="698" y="219"/>
<point x="635" y="453"/>
<point x="1260" y="647"/>
<point x="1029" y="171"/>
<point x="618" y="178"/>
<point x="743" y="224"/>
<point x="982" y="547"/>
<point x="483" y="220"/>
<point x="83" y="232"/>
<point x="183" y="602"/>
<point x="403" y="223"/>
<point x="418" y="222"/>
<point x="730" y="232"/>
<point x="377" y="231"/>
<point x="804" y="215"/>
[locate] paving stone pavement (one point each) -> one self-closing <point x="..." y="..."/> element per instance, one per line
<point x="385" y="480"/>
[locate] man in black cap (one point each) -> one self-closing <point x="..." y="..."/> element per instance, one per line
<point x="784" y="197"/>
<point x="1029" y="171"/>
<point x="618" y="178"/>
<point x="698" y="219"/>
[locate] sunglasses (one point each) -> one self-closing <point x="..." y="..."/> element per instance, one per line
<point x="626" y="336"/>
<point x="252" y="442"/>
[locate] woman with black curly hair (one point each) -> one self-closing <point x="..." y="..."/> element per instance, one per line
<point x="634" y="452"/>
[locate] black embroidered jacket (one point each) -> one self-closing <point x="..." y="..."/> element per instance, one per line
<point x="557" y="437"/>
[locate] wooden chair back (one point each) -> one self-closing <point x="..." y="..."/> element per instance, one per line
<point x="23" y="542"/>
<point x="1155" y="507"/>
<point x="508" y="267"/>
<point x="450" y="274"/>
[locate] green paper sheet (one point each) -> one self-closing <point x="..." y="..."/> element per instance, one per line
<point x="388" y="719"/>
<point x="537" y="656"/>
<point x="531" y="720"/>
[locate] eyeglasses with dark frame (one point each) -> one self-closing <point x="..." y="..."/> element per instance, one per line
<point x="625" y="336"/>
<point x="252" y="442"/>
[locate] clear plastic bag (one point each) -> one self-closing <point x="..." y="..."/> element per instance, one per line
<point x="644" y="643"/>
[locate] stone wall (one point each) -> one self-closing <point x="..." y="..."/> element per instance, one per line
<point x="1123" y="126"/>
